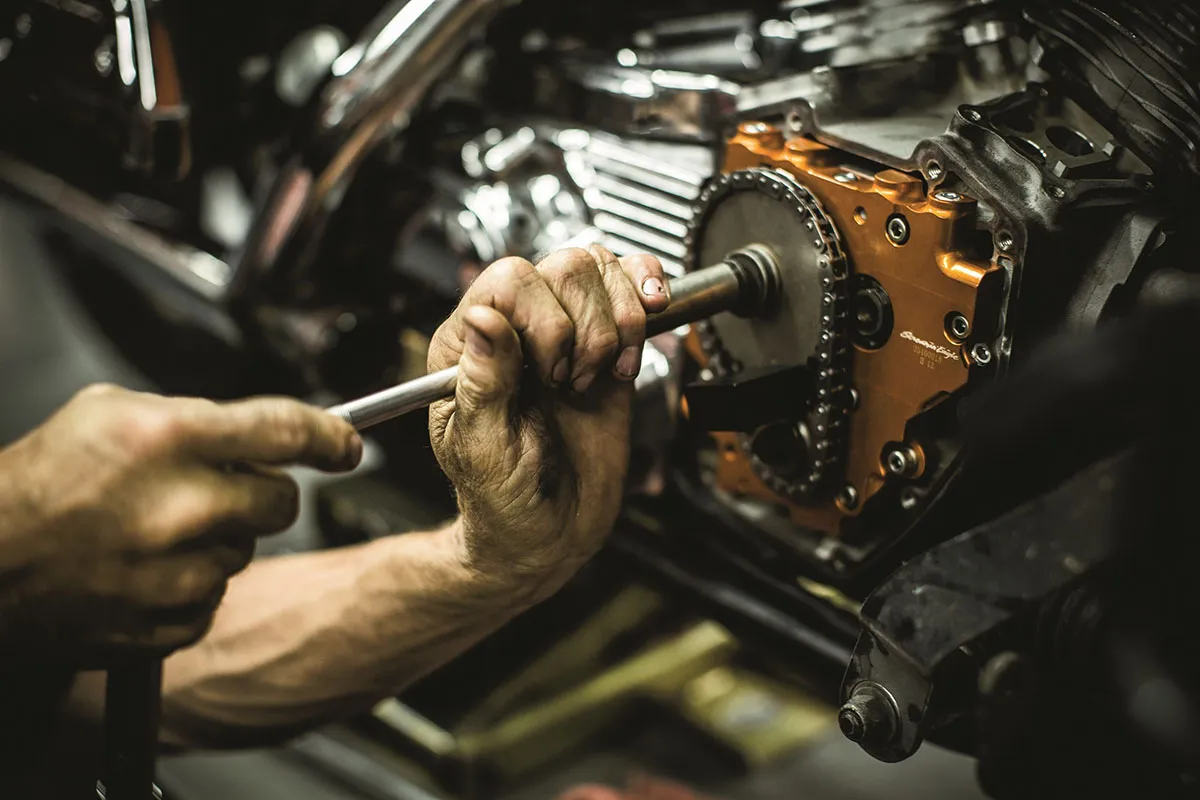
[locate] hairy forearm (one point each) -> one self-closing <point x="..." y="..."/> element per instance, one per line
<point x="301" y="640"/>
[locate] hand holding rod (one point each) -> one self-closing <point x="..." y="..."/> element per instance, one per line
<point x="746" y="283"/>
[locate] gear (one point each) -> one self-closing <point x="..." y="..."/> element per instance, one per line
<point x="769" y="208"/>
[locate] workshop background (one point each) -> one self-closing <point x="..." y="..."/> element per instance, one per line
<point x="717" y="732"/>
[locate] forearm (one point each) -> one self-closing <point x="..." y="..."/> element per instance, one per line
<point x="301" y="640"/>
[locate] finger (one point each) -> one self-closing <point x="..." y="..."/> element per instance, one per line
<point x="628" y="313"/>
<point x="647" y="274"/>
<point x="202" y="506"/>
<point x="489" y="374"/>
<point x="178" y="586"/>
<point x="517" y="291"/>
<point x="273" y="430"/>
<point x="574" y="277"/>
<point x="257" y="502"/>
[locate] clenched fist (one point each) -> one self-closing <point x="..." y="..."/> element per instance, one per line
<point x="536" y="438"/>
<point x="122" y="517"/>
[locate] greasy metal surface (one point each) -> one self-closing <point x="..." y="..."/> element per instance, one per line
<point x="926" y="278"/>
<point x="949" y="597"/>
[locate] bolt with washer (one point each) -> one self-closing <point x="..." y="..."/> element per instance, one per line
<point x="869" y="716"/>
<point x="958" y="326"/>
<point x="981" y="355"/>
<point x="948" y="197"/>
<point x="903" y="462"/>
<point x="897" y="229"/>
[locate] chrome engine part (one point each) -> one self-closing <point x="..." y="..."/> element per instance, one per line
<point x="543" y="186"/>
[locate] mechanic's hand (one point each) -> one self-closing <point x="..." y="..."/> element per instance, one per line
<point x="538" y="455"/>
<point x="124" y="515"/>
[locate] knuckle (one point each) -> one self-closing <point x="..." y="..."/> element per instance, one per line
<point x="148" y="432"/>
<point x="187" y="514"/>
<point x="96" y="390"/>
<point x="510" y="271"/>
<point x="199" y="580"/>
<point x="568" y="265"/>
<point x="577" y="258"/>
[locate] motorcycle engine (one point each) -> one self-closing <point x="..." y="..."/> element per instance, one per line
<point x="936" y="199"/>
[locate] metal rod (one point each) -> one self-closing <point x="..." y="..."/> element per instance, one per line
<point x="694" y="296"/>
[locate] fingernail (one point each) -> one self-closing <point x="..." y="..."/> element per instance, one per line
<point x="629" y="362"/>
<point x="561" y="371"/>
<point x="479" y="344"/>
<point x="354" y="450"/>
<point x="652" y="287"/>
<point x="582" y="383"/>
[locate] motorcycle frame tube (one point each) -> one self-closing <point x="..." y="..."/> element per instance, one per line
<point x="376" y="85"/>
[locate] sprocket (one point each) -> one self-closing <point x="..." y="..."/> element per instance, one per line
<point x="767" y="207"/>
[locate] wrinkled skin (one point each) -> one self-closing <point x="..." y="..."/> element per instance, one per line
<point x="123" y="516"/>
<point x="538" y="456"/>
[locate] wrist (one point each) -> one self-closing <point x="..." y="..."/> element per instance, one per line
<point x="523" y="582"/>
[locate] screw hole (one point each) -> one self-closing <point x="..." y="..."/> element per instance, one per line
<point x="860" y="215"/>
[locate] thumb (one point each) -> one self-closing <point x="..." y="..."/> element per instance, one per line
<point x="489" y="373"/>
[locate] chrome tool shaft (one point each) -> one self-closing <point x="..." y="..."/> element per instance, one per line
<point x="744" y="283"/>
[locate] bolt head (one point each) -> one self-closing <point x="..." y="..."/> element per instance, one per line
<point x="959" y="327"/>
<point x="869" y="715"/>
<point x="851" y="723"/>
<point x="981" y="354"/>
<point x="849" y="497"/>
<point x="896" y="462"/>
<point x="897" y="230"/>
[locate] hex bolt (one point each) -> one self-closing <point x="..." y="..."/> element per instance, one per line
<point x="897" y="229"/>
<point x="869" y="715"/>
<point x="902" y="461"/>
<point x="981" y="354"/>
